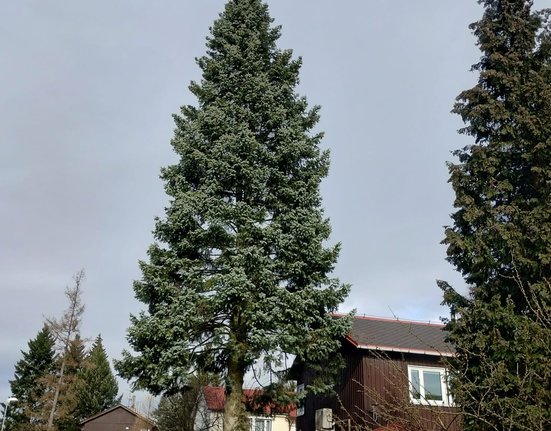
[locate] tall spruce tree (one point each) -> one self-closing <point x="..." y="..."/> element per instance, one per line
<point x="29" y="383"/>
<point x="96" y="388"/>
<point x="501" y="235"/>
<point x="241" y="269"/>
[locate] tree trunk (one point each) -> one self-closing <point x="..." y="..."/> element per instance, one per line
<point x="235" y="418"/>
<point x="234" y="413"/>
<point x="56" y="393"/>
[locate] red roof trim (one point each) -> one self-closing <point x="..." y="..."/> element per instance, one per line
<point x="351" y="340"/>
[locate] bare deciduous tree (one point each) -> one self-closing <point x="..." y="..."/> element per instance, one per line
<point x="65" y="330"/>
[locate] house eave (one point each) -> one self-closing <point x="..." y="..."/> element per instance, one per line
<point x="381" y="348"/>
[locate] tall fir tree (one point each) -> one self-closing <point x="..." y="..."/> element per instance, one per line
<point x="501" y="235"/>
<point x="96" y="388"/>
<point x="240" y="270"/>
<point x="29" y="385"/>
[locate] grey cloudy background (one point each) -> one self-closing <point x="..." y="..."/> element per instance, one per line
<point x="87" y="90"/>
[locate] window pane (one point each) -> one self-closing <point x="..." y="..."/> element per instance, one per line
<point x="432" y="383"/>
<point x="415" y="386"/>
<point x="262" y="424"/>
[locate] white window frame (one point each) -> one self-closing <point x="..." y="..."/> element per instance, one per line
<point x="422" y="400"/>
<point x="300" y="403"/>
<point x="253" y="419"/>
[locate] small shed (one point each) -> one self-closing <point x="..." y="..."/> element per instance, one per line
<point x="118" y="418"/>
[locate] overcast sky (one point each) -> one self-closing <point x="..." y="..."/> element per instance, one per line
<point x="87" y="93"/>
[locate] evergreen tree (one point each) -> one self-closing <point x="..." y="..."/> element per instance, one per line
<point x="96" y="389"/>
<point x="501" y="234"/>
<point x="240" y="269"/>
<point x="28" y="385"/>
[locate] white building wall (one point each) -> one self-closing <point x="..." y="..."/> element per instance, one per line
<point x="283" y="423"/>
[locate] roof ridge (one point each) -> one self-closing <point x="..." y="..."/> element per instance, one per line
<point x="392" y="319"/>
<point x="117" y="406"/>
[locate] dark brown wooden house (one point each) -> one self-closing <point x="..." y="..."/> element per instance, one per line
<point x="394" y="378"/>
<point x="118" y="418"/>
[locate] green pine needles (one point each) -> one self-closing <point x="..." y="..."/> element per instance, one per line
<point x="29" y="385"/>
<point x="240" y="270"/>
<point x="96" y="388"/>
<point x="500" y="239"/>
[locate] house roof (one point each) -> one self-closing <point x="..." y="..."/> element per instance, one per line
<point x="215" y="398"/>
<point x="396" y="335"/>
<point x="120" y="406"/>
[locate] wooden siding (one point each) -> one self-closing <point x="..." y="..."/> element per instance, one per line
<point x="373" y="391"/>
<point x="118" y="419"/>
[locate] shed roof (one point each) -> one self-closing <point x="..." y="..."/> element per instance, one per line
<point x="396" y="335"/>
<point x="120" y="406"/>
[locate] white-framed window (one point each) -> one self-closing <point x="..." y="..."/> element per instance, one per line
<point x="300" y="403"/>
<point x="259" y="423"/>
<point x="428" y="386"/>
